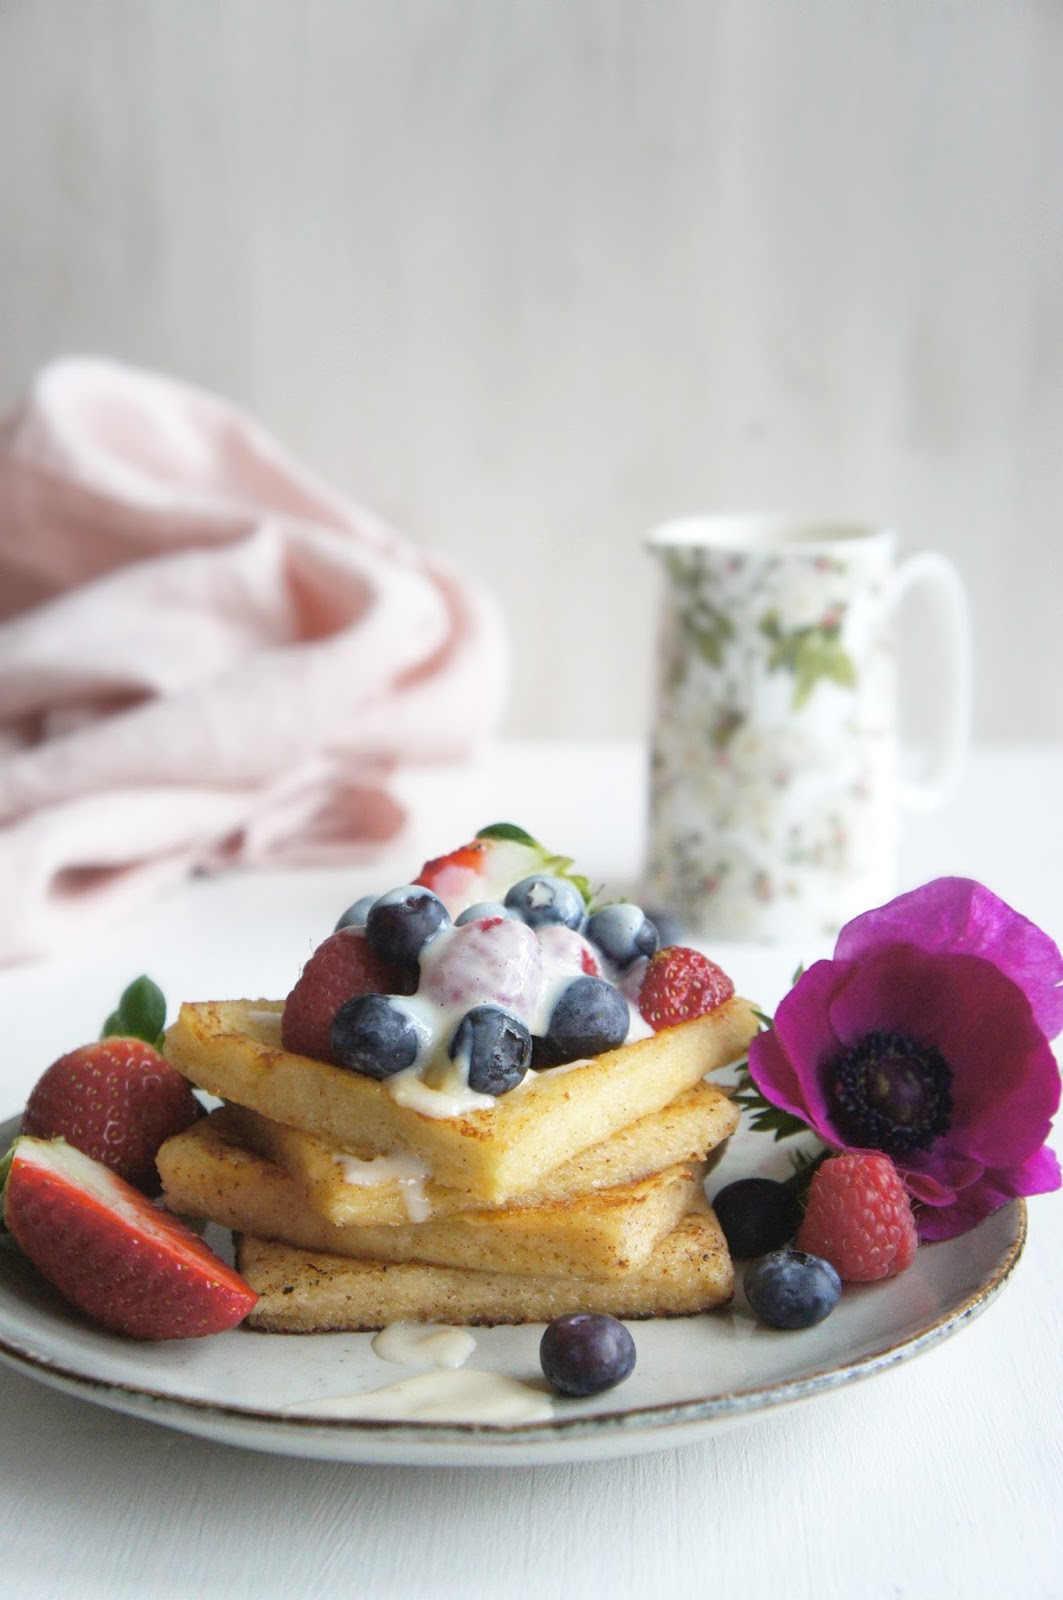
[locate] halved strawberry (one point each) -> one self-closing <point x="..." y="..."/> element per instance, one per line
<point x="126" y="1265"/>
<point x="118" y="1100"/>
<point x="343" y="965"/>
<point x="484" y="869"/>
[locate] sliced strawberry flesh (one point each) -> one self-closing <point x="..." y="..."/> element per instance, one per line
<point x="111" y="1253"/>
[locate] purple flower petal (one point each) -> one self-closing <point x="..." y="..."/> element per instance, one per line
<point x="938" y="1182"/>
<point x="961" y="917"/>
<point x="1039" y="1175"/>
<point x="784" y="1062"/>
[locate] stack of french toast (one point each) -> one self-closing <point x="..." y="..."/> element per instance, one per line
<point x="354" y="1207"/>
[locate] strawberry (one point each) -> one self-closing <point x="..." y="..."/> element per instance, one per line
<point x="459" y="875"/>
<point x="117" y="1100"/>
<point x="679" y="985"/>
<point x="859" y="1218"/>
<point x="341" y="967"/>
<point x="484" y="869"/>
<point x="126" y="1265"/>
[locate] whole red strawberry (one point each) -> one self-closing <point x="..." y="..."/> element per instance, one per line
<point x="859" y="1218"/>
<point x="117" y="1100"/>
<point x="679" y="985"/>
<point x="127" y="1265"/>
<point x="343" y="966"/>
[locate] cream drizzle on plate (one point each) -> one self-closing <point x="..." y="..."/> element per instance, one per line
<point x="468" y="1395"/>
<point x="424" y="1344"/>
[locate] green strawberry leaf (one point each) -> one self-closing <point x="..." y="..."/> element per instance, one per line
<point x="560" y="866"/>
<point x="141" y="1013"/>
<point x="510" y="831"/>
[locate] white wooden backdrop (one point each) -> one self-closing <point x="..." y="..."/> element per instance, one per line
<point x="530" y="275"/>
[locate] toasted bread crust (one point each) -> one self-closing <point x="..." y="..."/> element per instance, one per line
<point x="207" y="1173"/>
<point x="312" y="1292"/>
<point x="230" y="1048"/>
<point x="697" y="1122"/>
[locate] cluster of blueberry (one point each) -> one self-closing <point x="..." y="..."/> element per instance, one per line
<point x="381" y="1035"/>
<point x="785" y="1287"/>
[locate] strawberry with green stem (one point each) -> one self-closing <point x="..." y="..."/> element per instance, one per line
<point x="118" y="1099"/>
<point x="482" y="870"/>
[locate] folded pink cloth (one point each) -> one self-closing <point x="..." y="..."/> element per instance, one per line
<point x="205" y="655"/>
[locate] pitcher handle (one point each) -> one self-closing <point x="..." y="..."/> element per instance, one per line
<point x="937" y="574"/>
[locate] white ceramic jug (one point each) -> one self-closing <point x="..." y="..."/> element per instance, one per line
<point x="775" y="781"/>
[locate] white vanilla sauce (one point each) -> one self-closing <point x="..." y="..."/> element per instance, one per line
<point x="424" y="1344"/>
<point x="405" y="1170"/>
<point x="468" y="1395"/>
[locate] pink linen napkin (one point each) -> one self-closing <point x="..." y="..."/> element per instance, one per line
<point x="205" y="655"/>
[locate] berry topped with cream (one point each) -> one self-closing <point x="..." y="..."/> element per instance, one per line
<point x="500" y="967"/>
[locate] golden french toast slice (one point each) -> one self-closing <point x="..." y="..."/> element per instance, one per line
<point x="232" y="1049"/>
<point x="206" y="1173"/>
<point x="304" y="1291"/>
<point x="345" y="1189"/>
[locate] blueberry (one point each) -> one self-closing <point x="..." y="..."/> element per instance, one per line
<point x="669" y="926"/>
<point x="585" y="1352"/>
<point x="591" y="1016"/>
<point x="541" y="899"/>
<point x="789" y="1289"/>
<point x="401" y="922"/>
<point x="497" y="1046"/>
<point x="756" y="1215"/>
<point x="486" y="908"/>
<point x="371" y="1035"/>
<point x="544" y="1054"/>
<point x="622" y="933"/>
<point x="354" y="916"/>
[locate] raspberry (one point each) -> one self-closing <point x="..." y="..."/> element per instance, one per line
<point x="859" y="1218"/>
<point x="681" y="984"/>
<point x="343" y="966"/>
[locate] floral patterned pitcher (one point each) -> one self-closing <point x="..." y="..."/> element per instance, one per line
<point x="775" y="781"/>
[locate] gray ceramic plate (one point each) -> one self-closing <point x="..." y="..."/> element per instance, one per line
<point x="693" y="1375"/>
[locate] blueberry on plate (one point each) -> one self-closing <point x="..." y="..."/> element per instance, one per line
<point x="789" y="1289"/>
<point x="373" y="1036"/>
<point x="400" y="923"/>
<point x="354" y="916"/>
<point x="590" y="1017"/>
<point x="542" y="898"/>
<point x="756" y="1215"/>
<point x="586" y="1352"/>
<point x="497" y="1047"/>
<point x="622" y="933"/>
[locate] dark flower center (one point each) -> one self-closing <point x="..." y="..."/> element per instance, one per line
<point x="889" y="1092"/>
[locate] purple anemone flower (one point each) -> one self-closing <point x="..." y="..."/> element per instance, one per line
<point x="926" y="1037"/>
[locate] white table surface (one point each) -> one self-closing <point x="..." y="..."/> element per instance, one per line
<point x="940" y="1478"/>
